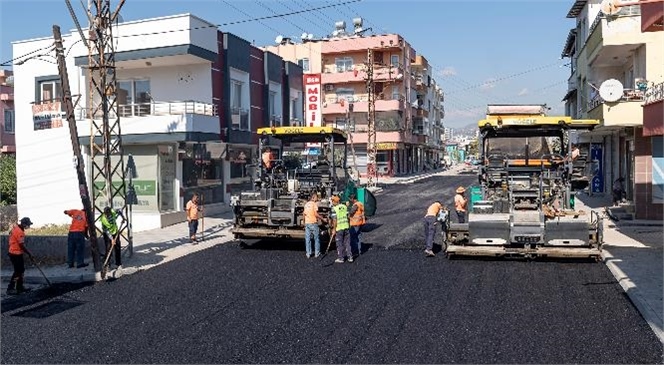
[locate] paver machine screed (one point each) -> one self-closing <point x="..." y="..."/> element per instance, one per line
<point x="525" y="203"/>
<point x="274" y="208"/>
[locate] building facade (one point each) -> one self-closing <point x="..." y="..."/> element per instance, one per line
<point x="7" y="142"/>
<point x="609" y="51"/>
<point x="188" y="105"/>
<point x="408" y="106"/>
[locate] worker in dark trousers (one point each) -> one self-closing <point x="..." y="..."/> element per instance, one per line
<point x="341" y="230"/>
<point x="16" y="250"/>
<point x="109" y="226"/>
<point x="461" y="204"/>
<point x="76" y="238"/>
<point x="357" y="220"/>
<point x="430" y="226"/>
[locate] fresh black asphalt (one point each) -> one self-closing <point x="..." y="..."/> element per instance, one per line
<point x="267" y="303"/>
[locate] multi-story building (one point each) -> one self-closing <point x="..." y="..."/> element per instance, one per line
<point x="649" y="189"/>
<point x="428" y="119"/>
<point x="609" y="51"/>
<point x="7" y="143"/>
<point x="402" y="140"/>
<point x="190" y="98"/>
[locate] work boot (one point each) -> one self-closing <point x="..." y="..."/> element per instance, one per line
<point x="339" y="261"/>
<point x="11" y="289"/>
<point x="82" y="265"/>
<point x="429" y="253"/>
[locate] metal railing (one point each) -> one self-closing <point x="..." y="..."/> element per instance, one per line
<point x="155" y="109"/>
<point x="628" y="95"/>
<point x="632" y="10"/>
<point x="654" y="94"/>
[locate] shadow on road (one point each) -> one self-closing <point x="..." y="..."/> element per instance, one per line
<point x="12" y="303"/>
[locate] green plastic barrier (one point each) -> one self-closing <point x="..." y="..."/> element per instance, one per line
<point x="475" y="195"/>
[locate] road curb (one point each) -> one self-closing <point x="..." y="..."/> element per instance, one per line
<point x="634" y="295"/>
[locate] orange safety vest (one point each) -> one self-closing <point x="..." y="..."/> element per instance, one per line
<point x="16" y="238"/>
<point x="358" y="218"/>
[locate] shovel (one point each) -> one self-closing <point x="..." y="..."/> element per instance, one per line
<point x="40" y="270"/>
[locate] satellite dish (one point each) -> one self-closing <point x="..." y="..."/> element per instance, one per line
<point x="279" y="39"/>
<point x="310" y="36"/>
<point x="608" y="7"/>
<point x="611" y="90"/>
<point x="335" y="33"/>
<point x="304" y="36"/>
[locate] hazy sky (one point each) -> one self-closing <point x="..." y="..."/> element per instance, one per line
<point x="482" y="51"/>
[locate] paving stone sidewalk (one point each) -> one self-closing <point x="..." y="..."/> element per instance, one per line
<point x="634" y="252"/>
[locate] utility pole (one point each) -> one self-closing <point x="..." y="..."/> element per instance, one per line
<point x="371" y="121"/>
<point x="78" y="158"/>
<point x="106" y="154"/>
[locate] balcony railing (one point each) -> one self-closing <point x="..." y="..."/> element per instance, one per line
<point x="240" y="119"/>
<point x="628" y="95"/>
<point x="632" y="10"/>
<point x="275" y="120"/>
<point x="155" y="109"/>
<point x="654" y="93"/>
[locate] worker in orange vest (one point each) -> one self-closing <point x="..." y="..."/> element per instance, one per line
<point x="16" y="250"/>
<point x="76" y="237"/>
<point x="357" y="220"/>
<point x="430" y="226"/>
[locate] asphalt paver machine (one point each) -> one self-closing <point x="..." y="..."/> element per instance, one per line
<point x="525" y="203"/>
<point x="274" y="208"/>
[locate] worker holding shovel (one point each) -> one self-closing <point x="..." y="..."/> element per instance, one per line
<point x="16" y="250"/>
<point x="109" y="225"/>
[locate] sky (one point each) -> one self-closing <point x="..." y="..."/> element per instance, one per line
<point x="482" y="52"/>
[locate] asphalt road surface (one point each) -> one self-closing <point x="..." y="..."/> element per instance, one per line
<point x="267" y="303"/>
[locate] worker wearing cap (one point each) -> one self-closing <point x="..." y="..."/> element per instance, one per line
<point x="341" y="230"/>
<point x="76" y="237"/>
<point x="16" y="250"/>
<point x="430" y="226"/>
<point x="461" y="204"/>
<point x="357" y="220"/>
<point x="109" y="226"/>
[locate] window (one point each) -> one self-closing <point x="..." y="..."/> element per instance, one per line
<point x="239" y="116"/>
<point x="395" y="93"/>
<point x="344" y="64"/>
<point x="50" y="90"/>
<point x="340" y="122"/>
<point x="294" y="108"/>
<point x="9" y="121"/>
<point x="394" y="60"/>
<point x="134" y="98"/>
<point x="304" y="63"/>
<point x="345" y="94"/>
<point x="271" y="100"/>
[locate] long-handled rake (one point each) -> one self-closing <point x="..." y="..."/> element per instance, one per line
<point x="40" y="270"/>
<point x="328" y="245"/>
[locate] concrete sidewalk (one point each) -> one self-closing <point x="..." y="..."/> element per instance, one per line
<point x="634" y="252"/>
<point x="151" y="248"/>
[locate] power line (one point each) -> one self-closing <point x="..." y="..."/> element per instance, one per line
<point x="257" y="19"/>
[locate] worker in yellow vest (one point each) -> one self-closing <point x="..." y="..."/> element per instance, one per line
<point x="357" y="220"/>
<point x="341" y="230"/>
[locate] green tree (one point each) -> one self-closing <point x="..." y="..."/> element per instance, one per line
<point x="7" y="179"/>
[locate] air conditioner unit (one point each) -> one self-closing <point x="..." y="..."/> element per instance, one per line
<point x="329" y="87"/>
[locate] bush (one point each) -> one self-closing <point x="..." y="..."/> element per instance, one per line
<point x="7" y="179"/>
<point x="8" y="217"/>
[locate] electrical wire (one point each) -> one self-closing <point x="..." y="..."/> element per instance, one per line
<point x="51" y="46"/>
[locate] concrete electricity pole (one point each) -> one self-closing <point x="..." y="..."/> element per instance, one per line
<point x="76" y="147"/>
<point x="372" y="171"/>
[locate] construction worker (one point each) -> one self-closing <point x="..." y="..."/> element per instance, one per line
<point x="268" y="159"/>
<point x="430" y="226"/>
<point x="192" y="208"/>
<point x="461" y="204"/>
<point x="311" y="218"/>
<point x="16" y="250"/>
<point x="340" y="230"/>
<point x="357" y="220"/>
<point x="76" y="238"/>
<point x="112" y="233"/>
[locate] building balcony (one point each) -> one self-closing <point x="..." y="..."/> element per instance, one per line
<point x="158" y="118"/>
<point x="626" y="112"/>
<point x="654" y="94"/>
<point x="339" y="105"/>
<point x="381" y="74"/>
<point x="275" y="120"/>
<point x="612" y="38"/>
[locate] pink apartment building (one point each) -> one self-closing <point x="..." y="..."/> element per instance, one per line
<point x="7" y="142"/>
<point x="340" y="60"/>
